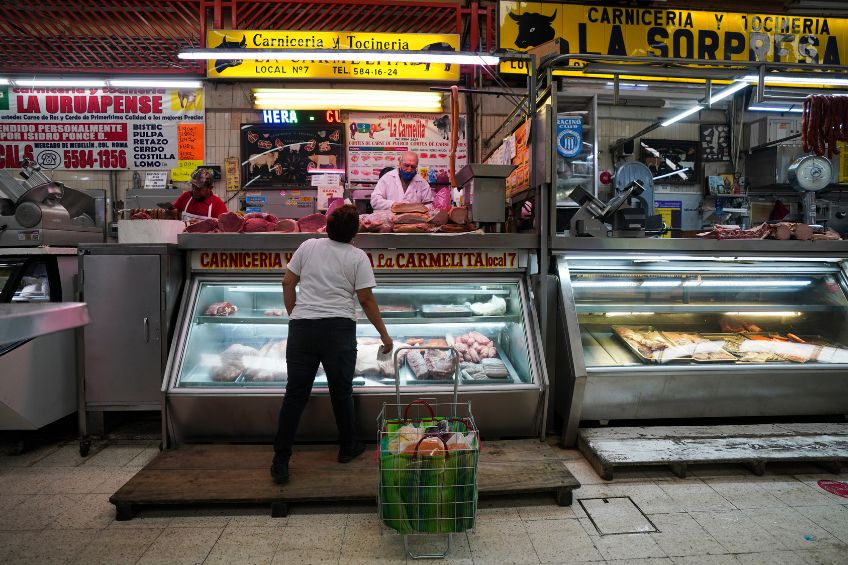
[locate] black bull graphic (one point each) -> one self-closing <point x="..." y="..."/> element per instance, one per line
<point x="533" y="29"/>
<point x="222" y="64"/>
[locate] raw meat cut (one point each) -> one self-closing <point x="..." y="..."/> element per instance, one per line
<point x="439" y="363"/>
<point x="230" y="222"/>
<point x="416" y="364"/>
<point x="267" y="217"/>
<point x="439" y="218"/>
<point x="203" y="226"/>
<point x="220" y="309"/>
<point x="404" y="208"/>
<point x="286" y="226"/>
<point x="456" y="228"/>
<point x="269" y="365"/>
<point x="458" y="215"/>
<point x="254" y="225"/>
<point x="275" y="312"/>
<point x="411" y="218"/>
<point x="236" y="354"/>
<point x="411" y="228"/>
<point x="473" y="347"/>
<point x="312" y="223"/>
<point x="141" y="216"/>
<point x="376" y="221"/>
<point x="226" y="373"/>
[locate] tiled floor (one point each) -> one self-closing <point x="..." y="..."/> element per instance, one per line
<point x="54" y="508"/>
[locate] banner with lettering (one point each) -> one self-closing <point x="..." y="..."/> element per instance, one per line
<point x="103" y="129"/>
<point x="378" y="140"/>
<point x="685" y="34"/>
<point x="381" y="260"/>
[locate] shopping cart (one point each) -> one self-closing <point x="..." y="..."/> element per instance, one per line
<point x="428" y="464"/>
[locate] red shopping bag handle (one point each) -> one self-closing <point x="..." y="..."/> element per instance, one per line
<point x="421" y="402"/>
<point x="428" y="435"/>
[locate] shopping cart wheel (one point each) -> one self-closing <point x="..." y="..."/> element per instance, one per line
<point x="84" y="447"/>
<point x="412" y="554"/>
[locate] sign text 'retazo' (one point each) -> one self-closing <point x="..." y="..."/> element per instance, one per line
<point x="381" y="260"/>
<point x="684" y="34"/>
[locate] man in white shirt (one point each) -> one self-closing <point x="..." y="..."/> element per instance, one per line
<point x="403" y="184"/>
<point x="322" y="330"/>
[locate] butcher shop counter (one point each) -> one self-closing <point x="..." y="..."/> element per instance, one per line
<point x="226" y="370"/>
<point x="678" y="328"/>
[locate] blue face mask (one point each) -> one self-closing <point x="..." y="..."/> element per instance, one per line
<point x="406" y="175"/>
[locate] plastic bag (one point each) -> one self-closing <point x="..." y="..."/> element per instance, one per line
<point x="442" y="199"/>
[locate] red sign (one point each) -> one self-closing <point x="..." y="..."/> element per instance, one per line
<point x="835" y="487"/>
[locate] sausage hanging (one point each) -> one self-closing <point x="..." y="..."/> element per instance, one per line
<point x="825" y="123"/>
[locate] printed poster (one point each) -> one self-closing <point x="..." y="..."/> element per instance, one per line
<point x="569" y="134"/>
<point x="102" y="129"/>
<point x="378" y="140"/>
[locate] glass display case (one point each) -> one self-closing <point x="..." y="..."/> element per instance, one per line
<point x="748" y="329"/>
<point x="237" y="335"/>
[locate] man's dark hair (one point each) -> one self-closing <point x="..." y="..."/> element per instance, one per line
<point x="343" y="223"/>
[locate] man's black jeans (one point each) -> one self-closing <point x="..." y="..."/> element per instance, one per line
<point x="331" y="342"/>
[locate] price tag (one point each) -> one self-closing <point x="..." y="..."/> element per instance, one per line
<point x="156" y="179"/>
<point x="327" y="193"/>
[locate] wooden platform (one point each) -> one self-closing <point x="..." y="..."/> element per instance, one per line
<point x="681" y="446"/>
<point x="239" y="474"/>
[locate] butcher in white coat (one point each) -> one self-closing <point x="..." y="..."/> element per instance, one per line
<point x="403" y="184"/>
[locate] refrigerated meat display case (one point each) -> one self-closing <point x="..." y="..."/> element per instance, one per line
<point x="655" y="329"/>
<point x="226" y="372"/>
<point x="39" y="384"/>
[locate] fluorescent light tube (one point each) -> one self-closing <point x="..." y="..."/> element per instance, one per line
<point x="662" y="283"/>
<point x="732" y="89"/>
<point x="155" y="83"/>
<point x="757" y="108"/>
<point x="346" y="99"/>
<point x="692" y="283"/>
<point x="682" y="115"/>
<point x="61" y="82"/>
<point x="753" y="282"/>
<point x="4" y="81"/>
<point x="812" y="80"/>
<point x="602" y="284"/>
<point x="347" y="55"/>
<point x="777" y="314"/>
<point x="614" y="314"/>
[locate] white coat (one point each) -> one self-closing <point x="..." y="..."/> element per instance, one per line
<point x="389" y="190"/>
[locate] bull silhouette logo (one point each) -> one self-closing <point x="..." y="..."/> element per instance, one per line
<point x="223" y="64"/>
<point x="441" y="46"/>
<point x="533" y="29"/>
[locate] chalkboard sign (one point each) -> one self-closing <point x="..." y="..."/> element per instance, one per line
<point x="275" y="156"/>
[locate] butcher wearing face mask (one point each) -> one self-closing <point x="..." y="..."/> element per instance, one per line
<point x="403" y="184"/>
<point x="199" y="203"/>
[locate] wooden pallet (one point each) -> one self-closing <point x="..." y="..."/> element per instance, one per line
<point x="239" y="474"/>
<point x="681" y="446"/>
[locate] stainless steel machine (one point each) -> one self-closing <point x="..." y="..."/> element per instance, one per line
<point x="613" y="219"/>
<point x="37" y="211"/>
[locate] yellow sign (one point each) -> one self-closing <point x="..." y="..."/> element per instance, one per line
<point x="684" y="34"/>
<point x="184" y="169"/>
<point x="231" y="174"/>
<point x="233" y="40"/>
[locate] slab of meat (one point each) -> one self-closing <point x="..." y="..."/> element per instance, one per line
<point x="225" y="374"/>
<point x="474" y="347"/>
<point x="275" y="312"/>
<point x="220" y="309"/>
<point x="312" y="223"/>
<point x="230" y="222"/>
<point x="458" y="215"/>
<point x="203" y="226"/>
<point x="411" y="218"/>
<point x="286" y="226"/>
<point x="456" y="228"/>
<point x="141" y="216"/>
<point x="411" y="228"/>
<point x="267" y="217"/>
<point x="439" y="364"/>
<point x="439" y="218"/>
<point x="735" y="232"/>
<point x="270" y="365"/>
<point x="416" y="364"/>
<point x="235" y="355"/>
<point x="253" y="225"/>
<point x="404" y="208"/>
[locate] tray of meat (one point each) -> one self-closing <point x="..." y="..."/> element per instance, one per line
<point x="427" y="366"/>
<point x="444" y="310"/>
<point x="489" y="371"/>
<point x="700" y="354"/>
<point x="644" y="341"/>
<point x="775" y="347"/>
<point x="220" y="309"/>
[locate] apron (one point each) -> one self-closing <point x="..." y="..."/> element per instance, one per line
<point x="186" y="216"/>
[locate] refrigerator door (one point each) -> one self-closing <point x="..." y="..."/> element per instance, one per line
<point x="123" y="341"/>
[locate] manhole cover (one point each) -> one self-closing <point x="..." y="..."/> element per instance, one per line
<point x="838" y="488"/>
<point x="616" y="515"/>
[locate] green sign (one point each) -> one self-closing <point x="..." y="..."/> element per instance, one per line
<point x="4" y="98"/>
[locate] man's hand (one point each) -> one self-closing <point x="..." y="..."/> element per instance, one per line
<point x="388" y="345"/>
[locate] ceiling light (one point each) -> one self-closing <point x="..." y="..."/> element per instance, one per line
<point x="810" y="80"/>
<point x="754" y="282"/>
<point x="155" y="83"/>
<point x="4" y="81"/>
<point x="346" y="99"/>
<point x="62" y="82"/>
<point x="722" y="94"/>
<point x="682" y="115"/>
<point x="599" y="284"/>
<point x="758" y="108"/>
<point x="458" y="58"/>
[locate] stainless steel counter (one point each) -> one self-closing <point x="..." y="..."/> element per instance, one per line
<point x="724" y="248"/>
<point x="26" y="321"/>
<point x="261" y="241"/>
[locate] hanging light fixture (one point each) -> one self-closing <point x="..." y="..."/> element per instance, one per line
<point x="102" y="82"/>
<point x="456" y="58"/>
<point x="346" y="99"/>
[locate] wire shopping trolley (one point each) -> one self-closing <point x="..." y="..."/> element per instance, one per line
<point x="428" y="459"/>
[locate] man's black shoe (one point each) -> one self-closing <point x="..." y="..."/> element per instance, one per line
<point x="280" y="471"/>
<point x="351" y="453"/>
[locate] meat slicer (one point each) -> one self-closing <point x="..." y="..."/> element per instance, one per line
<point x="37" y="211"/>
<point x="597" y="219"/>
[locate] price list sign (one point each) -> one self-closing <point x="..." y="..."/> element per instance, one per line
<point x="101" y="128"/>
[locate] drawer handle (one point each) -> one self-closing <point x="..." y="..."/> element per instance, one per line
<point x="147" y="330"/>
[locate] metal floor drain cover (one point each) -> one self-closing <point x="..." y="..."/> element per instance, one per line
<point x="616" y="515"/>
